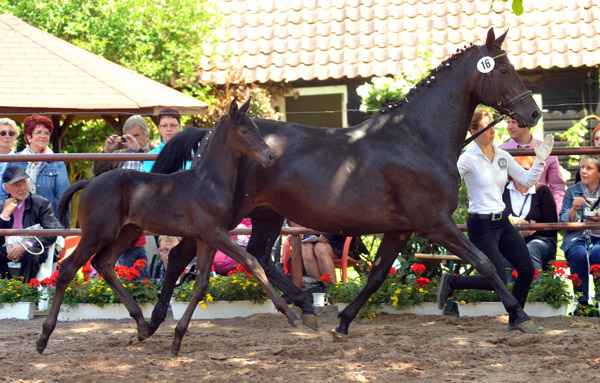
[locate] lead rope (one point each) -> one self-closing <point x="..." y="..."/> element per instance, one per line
<point x="473" y="137"/>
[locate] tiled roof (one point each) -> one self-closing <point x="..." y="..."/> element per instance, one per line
<point x="43" y="74"/>
<point x="288" y="40"/>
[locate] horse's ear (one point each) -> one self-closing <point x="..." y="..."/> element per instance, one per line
<point x="500" y="40"/>
<point x="489" y="41"/>
<point x="233" y="108"/>
<point x="246" y="106"/>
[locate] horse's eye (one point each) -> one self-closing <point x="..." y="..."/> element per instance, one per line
<point x="244" y="130"/>
<point x="504" y="72"/>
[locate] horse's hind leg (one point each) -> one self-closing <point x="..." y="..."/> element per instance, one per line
<point x="179" y="257"/>
<point x="390" y="247"/>
<point x="222" y="241"/>
<point x="449" y="236"/>
<point x="266" y="227"/>
<point x="203" y="267"/>
<point x="105" y="261"/>
<point x="67" y="270"/>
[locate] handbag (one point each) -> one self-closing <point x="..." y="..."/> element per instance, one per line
<point x="11" y="241"/>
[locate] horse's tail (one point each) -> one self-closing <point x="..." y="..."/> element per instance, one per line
<point x="176" y="152"/>
<point x="63" y="204"/>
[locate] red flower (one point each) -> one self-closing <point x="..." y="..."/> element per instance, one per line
<point x="145" y="281"/>
<point x="34" y="283"/>
<point x="50" y="281"/>
<point x="392" y="271"/>
<point x="325" y="277"/>
<point x="139" y="264"/>
<point x="560" y="265"/>
<point x="595" y="269"/>
<point x="575" y="278"/>
<point x="212" y="268"/>
<point x="421" y="281"/>
<point x="515" y="273"/>
<point x="536" y="273"/>
<point x="86" y="271"/>
<point x="418" y="269"/>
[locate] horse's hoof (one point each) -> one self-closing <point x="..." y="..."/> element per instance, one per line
<point x="527" y="327"/>
<point x="338" y="336"/>
<point x="174" y="353"/>
<point x="142" y="335"/>
<point x="40" y="348"/>
<point x="310" y="321"/>
<point x="295" y="322"/>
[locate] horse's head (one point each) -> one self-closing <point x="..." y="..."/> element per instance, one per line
<point x="246" y="138"/>
<point x="500" y="86"/>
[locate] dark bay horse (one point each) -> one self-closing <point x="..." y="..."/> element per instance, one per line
<point x="394" y="174"/>
<point x="116" y="206"/>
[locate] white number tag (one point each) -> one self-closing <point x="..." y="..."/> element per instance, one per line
<point x="486" y="64"/>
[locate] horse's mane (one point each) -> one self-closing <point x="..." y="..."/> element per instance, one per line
<point x="427" y="81"/>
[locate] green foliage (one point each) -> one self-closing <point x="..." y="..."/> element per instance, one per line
<point x="235" y="287"/>
<point x="14" y="290"/>
<point x="98" y="292"/>
<point x="575" y="136"/>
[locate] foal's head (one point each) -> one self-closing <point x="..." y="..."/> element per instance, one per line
<point x="500" y="86"/>
<point x="244" y="137"/>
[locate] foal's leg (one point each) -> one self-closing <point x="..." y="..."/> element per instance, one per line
<point x="390" y="247"/>
<point x="105" y="261"/>
<point x="222" y="241"/>
<point x="179" y="257"/>
<point x="67" y="270"/>
<point x="449" y="236"/>
<point x="266" y="227"/>
<point x="203" y="267"/>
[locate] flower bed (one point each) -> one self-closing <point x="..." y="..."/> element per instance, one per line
<point x="85" y="311"/>
<point x="224" y="309"/>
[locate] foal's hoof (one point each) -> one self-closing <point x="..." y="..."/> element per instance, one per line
<point x="40" y="348"/>
<point x="310" y="321"/>
<point x="143" y="335"/>
<point x="174" y="352"/>
<point x="527" y="327"/>
<point x="338" y="336"/>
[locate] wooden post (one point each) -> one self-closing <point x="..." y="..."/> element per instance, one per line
<point x="296" y="245"/>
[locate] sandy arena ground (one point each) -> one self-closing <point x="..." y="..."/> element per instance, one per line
<point x="263" y="348"/>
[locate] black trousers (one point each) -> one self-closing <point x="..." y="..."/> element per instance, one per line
<point x="30" y="265"/>
<point x="497" y="239"/>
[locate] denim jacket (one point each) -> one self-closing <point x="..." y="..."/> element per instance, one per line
<point x="571" y="236"/>
<point x="51" y="182"/>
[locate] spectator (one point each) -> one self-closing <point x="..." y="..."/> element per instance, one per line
<point x="23" y="209"/>
<point x="319" y="252"/>
<point x="531" y="205"/>
<point x="8" y="137"/>
<point x="135" y="138"/>
<point x="169" y="123"/>
<point x="48" y="179"/>
<point x="223" y="263"/>
<point x="596" y="143"/>
<point x="522" y="138"/>
<point x="580" y="205"/>
<point x="485" y="169"/>
<point x="159" y="268"/>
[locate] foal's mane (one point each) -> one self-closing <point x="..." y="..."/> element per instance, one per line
<point x="427" y="81"/>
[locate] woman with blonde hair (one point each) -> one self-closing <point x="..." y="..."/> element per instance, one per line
<point x="8" y="138"/>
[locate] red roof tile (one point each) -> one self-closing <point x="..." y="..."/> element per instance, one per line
<point x="42" y="73"/>
<point x="288" y="40"/>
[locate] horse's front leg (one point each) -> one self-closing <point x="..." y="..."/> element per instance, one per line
<point x="179" y="257"/>
<point x="204" y="263"/>
<point x="222" y="241"/>
<point x="266" y="227"/>
<point x="390" y="247"/>
<point x="449" y="236"/>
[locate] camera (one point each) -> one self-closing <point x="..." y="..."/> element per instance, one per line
<point x="121" y="139"/>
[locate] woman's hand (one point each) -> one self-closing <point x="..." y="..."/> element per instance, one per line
<point x="323" y="239"/>
<point x="527" y="233"/>
<point x="16" y="253"/>
<point x="593" y="218"/>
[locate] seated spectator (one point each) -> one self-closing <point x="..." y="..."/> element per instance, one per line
<point x="159" y="268"/>
<point x="8" y="138"/>
<point x="23" y="209"/>
<point x="580" y="205"/>
<point x="319" y="251"/>
<point x="48" y="179"/>
<point x="531" y="205"/>
<point x="595" y="142"/>
<point x="222" y="263"/>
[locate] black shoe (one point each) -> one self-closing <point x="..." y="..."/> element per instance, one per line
<point x="513" y="327"/>
<point x="444" y="291"/>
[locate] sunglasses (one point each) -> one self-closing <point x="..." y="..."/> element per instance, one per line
<point x="4" y="133"/>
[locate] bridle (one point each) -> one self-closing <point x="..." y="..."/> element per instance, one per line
<point x="504" y="107"/>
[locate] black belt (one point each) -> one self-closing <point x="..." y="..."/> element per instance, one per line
<point x="487" y="217"/>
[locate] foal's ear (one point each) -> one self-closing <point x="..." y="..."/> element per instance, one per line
<point x="500" y="40"/>
<point x="489" y="41"/>
<point x="233" y="108"/>
<point x="246" y="106"/>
